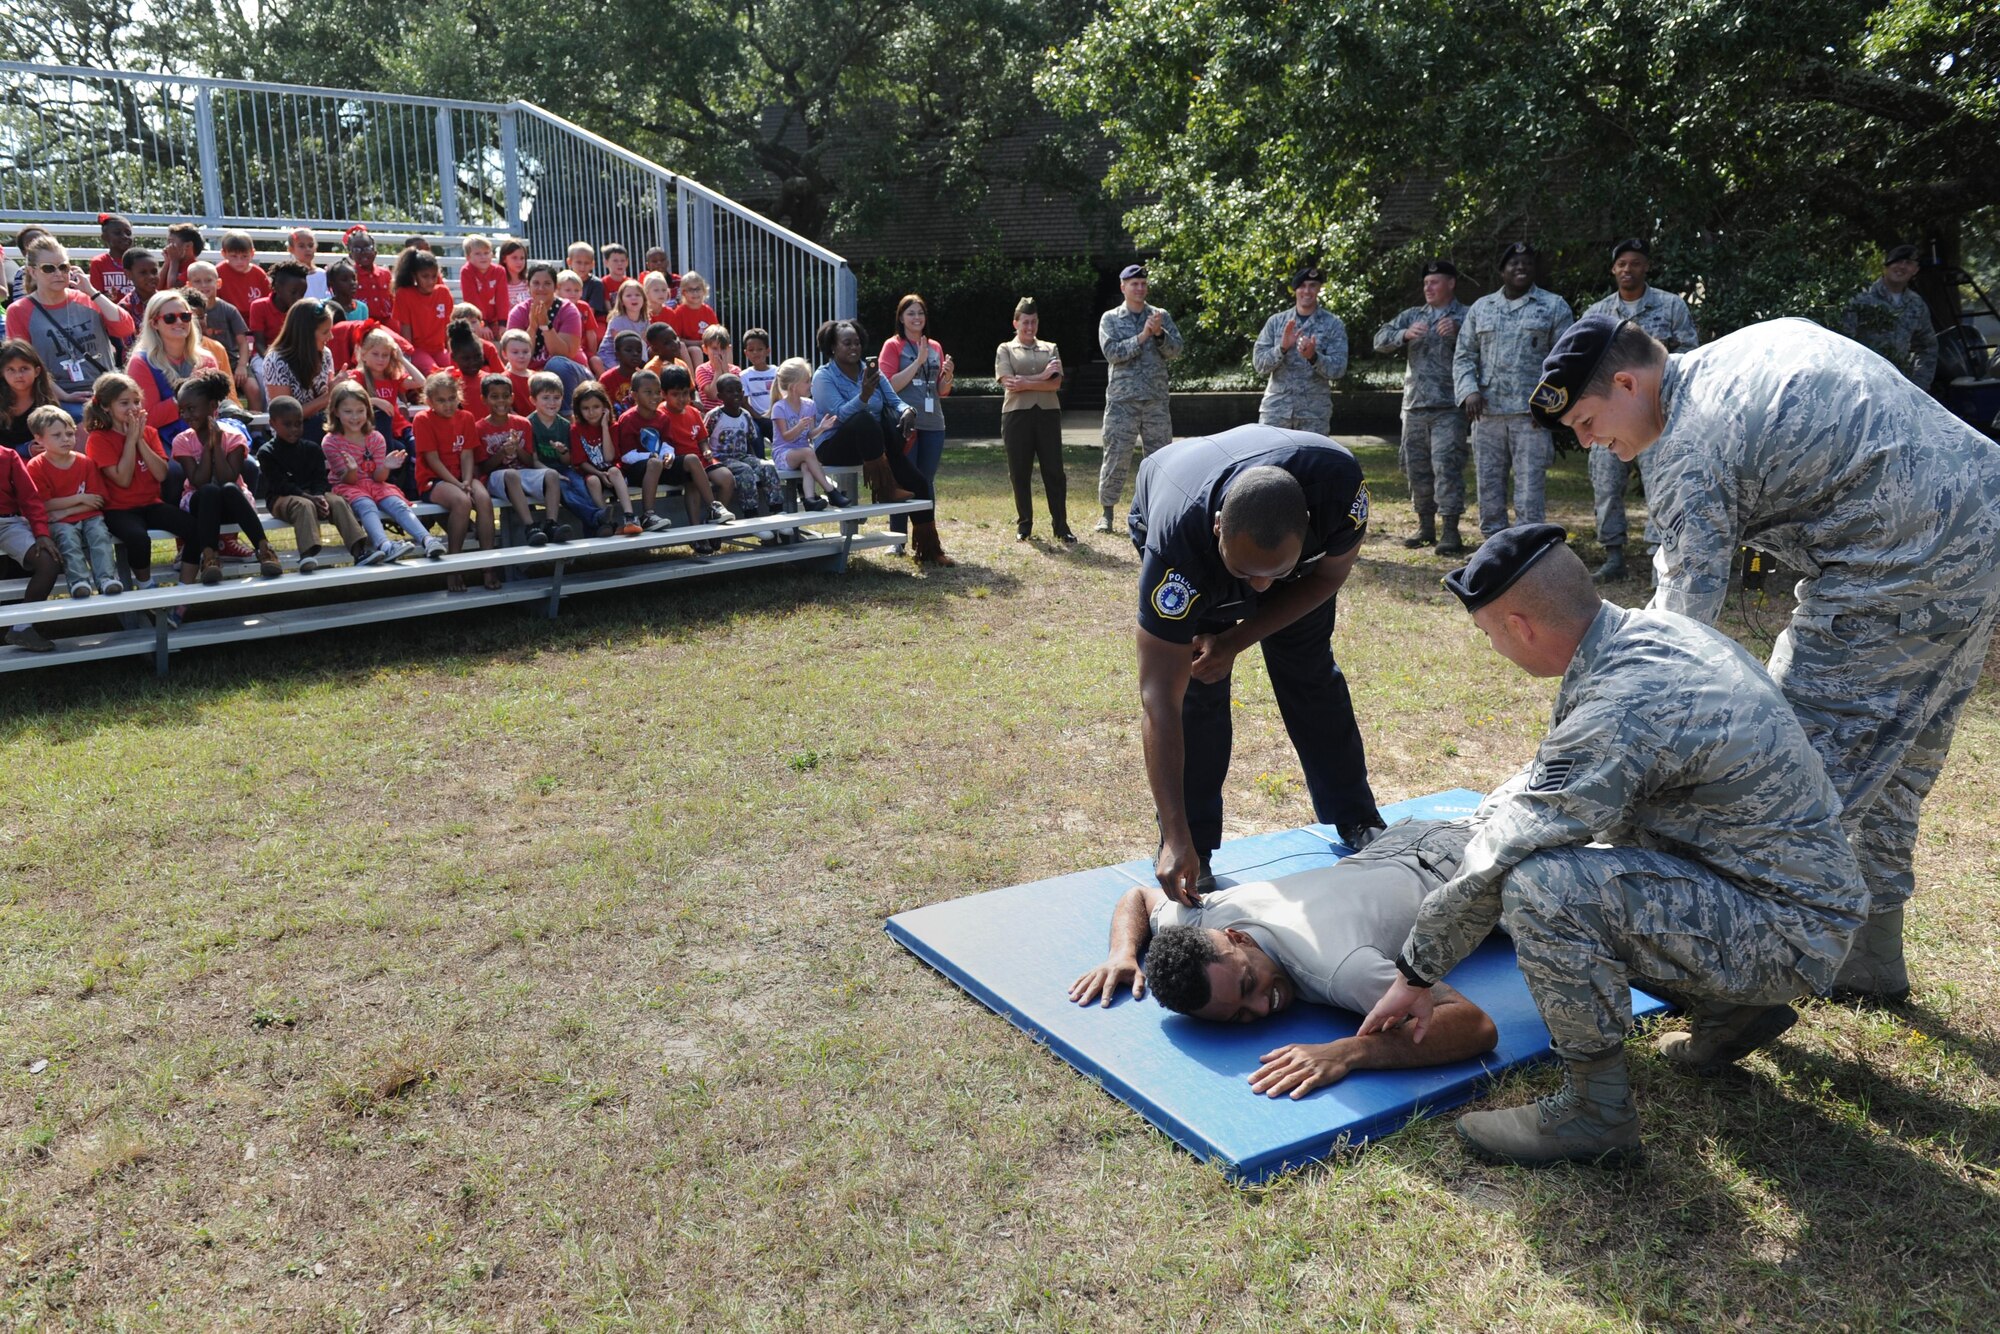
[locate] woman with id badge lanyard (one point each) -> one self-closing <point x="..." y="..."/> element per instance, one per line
<point x="920" y="373"/>
<point x="71" y="324"/>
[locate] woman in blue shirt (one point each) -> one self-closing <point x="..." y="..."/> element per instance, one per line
<point x="870" y="422"/>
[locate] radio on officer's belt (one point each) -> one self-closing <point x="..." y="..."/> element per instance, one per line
<point x="1755" y="566"/>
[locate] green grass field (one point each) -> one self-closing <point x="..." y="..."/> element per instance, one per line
<point x="499" y="973"/>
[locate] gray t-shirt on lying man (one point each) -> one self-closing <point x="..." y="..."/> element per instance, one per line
<point x="1336" y="929"/>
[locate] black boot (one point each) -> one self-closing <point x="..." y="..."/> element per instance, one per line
<point x="1426" y="532"/>
<point x="1450" y="543"/>
<point x="1613" y="568"/>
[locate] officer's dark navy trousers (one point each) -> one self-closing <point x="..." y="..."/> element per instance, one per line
<point x="1312" y="697"/>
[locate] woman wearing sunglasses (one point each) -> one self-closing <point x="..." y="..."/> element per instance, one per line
<point x="73" y="326"/>
<point x="167" y="352"/>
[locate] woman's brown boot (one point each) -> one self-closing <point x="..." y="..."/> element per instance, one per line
<point x="924" y="544"/>
<point x="882" y="481"/>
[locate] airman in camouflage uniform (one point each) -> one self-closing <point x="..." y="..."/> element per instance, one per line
<point x="1433" y="446"/>
<point x="1793" y="440"/>
<point x="1301" y="352"/>
<point x="1138" y="340"/>
<point x="1895" y="321"/>
<point x="1494" y="368"/>
<point x="1665" y="316"/>
<point x="1728" y="884"/>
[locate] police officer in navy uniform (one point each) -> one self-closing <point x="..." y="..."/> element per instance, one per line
<point x="1245" y="538"/>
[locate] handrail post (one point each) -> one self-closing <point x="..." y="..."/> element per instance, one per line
<point x="447" y="152"/>
<point x="510" y="167"/>
<point x="211" y="175"/>
<point x="664" y="214"/>
<point x="682" y="201"/>
<point x="846" y="293"/>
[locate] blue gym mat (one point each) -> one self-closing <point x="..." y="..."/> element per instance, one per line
<point x="1017" y="950"/>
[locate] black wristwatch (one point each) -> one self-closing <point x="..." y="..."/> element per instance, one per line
<point x="1410" y="974"/>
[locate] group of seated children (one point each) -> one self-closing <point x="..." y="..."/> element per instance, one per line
<point x="503" y="394"/>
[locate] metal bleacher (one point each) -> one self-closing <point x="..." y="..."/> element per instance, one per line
<point x="260" y="158"/>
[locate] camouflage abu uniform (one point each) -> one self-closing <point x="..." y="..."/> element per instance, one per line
<point x="1433" y="447"/>
<point x="1500" y="349"/>
<point x="1729" y="878"/>
<point x="1298" y="394"/>
<point x="1792" y="439"/>
<point x="1135" y="399"/>
<point x="1666" y="317"/>
<point x="1897" y="325"/>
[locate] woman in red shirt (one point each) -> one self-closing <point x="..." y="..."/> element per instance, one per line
<point x="132" y="463"/>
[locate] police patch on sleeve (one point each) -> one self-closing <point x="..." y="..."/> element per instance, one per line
<point x="1551" y="775"/>
<point x="1358" y="511"/>
<point x="1174" y="595"/>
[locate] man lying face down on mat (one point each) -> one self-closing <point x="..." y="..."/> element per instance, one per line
<point x="1328" y="936"/>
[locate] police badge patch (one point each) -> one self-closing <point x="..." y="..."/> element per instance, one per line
<point x="1358" y="511"/>
<point x="1174" y="595"/>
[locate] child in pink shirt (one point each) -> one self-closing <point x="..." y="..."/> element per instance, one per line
<point x="358" y="465"/>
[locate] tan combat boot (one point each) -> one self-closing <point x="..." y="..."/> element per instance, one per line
<point x="1721" y="1035"/>
<point x="1874" y="973"/>
<point x="1590" y="1119"/>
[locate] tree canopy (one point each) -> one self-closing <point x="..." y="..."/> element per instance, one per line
<point x="1765" y="146"/>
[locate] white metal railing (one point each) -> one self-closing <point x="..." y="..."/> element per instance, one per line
<point x="75" y="142"/>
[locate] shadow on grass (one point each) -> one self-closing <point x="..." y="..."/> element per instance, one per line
<point x="1805" y="1202"/>
<point x="75" y="702"/>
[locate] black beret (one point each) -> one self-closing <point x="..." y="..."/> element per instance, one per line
<point x="1131" y="271"/>
<point x="1631" y="243"/>
<point x="1443" y="266"/>
<point x="1309" y="274"/>
<point x="1569" y="366"/>
<point x="1501" y="560"/>
<point x="1518" y="248"/>
<point x="1900" y="252"/>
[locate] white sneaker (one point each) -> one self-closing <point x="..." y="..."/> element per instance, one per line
<point x="655" y="523"/>
<point x="112" y="588"/>
<point x="398" y="550"/>
<point x="434" y="548"/>
<point x="375" y="557"/>
<point x="146" y="585"/>
<point x="80" y="589"/>
<point x="717" y="514"/>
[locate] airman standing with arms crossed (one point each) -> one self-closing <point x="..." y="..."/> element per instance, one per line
<point x="1665" y="316"/>
<point x="1434" y="428"/>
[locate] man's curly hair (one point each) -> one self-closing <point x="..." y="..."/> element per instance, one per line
<point x="1176" y="967"/>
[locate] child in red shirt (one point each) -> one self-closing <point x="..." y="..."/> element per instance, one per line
<point x="241" y="282"/>
<point x="617" y="382"/>
<point x="692" y="316"/>
<point x="379" y="370"/>
<point x="373" y="283"/>
<point x="517" y="349"/>
<point x="511" y="470"/>
<point x="593" y="453"/>
<point x="483" y="283"/>
<point x="107" y="271"/>
<point x="74" y="496"/>
<point x="449" y="452"/>
<point x="705" y="484"/>
<point x="421" y="309"/>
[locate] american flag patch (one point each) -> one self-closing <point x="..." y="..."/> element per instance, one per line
<point x="1550" y="775"/>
